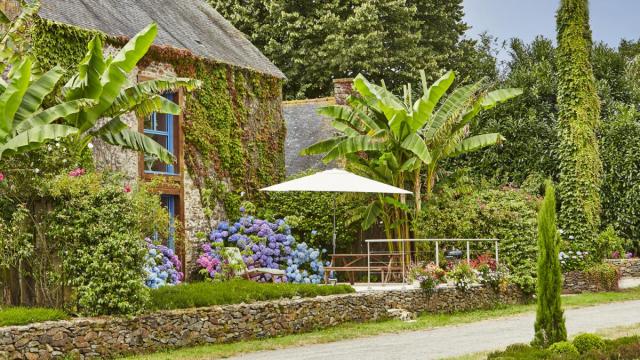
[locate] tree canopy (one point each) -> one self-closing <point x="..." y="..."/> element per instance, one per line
<point x="313" y="42"/>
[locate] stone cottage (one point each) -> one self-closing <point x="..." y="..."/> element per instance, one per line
<point x="229" y="140"/>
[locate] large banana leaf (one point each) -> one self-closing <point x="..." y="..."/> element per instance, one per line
<point x="423" y="107"/>
<point x="451" y="109"/>
<point x="115" y="75"/>
<point x="371" y="214"/>
<point x="130" y="139"/>
<point x="475" y="143"/>
<point x="352" y="145"/>
<point x="323" y="146"/>
<point x="128" y="99"/>
<point x="416" y="145"/>
<point x="367" y="114"/>
<point x="145" y="106"/>
<point x="496" y="97"/>
<point x="53" y="113"/>
<point x="34" y="137"/>
<point x="37" y="91"/>
<point x="11" y="98"/>
<point x="389" y="104"/>
<point x="86" y="83"/>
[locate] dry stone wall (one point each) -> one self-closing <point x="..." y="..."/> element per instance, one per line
<point x="112" y="337"/>
<point x="627" y="267"/>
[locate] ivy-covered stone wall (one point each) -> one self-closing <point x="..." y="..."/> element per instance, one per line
<point x="233" y="124"/>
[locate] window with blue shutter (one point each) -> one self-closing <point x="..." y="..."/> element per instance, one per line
<point x="162" y="128"/>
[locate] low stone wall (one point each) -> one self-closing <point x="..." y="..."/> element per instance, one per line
<point x="627" y="267"/>
<point x="576" y="282"/>
<point x="110" y="337"/>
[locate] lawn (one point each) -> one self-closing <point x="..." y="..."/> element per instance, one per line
<point x="24" y="315"/>
<point x="354" y="330"/>
<point x="202" y="294"/>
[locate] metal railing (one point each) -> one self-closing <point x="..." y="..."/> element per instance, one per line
<point x="437" y="250"/>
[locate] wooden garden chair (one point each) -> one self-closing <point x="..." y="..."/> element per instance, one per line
<point x="236" y="262"/>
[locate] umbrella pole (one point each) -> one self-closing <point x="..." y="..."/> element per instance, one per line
<point x="334" y="225"/>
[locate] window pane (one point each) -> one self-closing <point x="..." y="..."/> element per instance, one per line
<point x="160" y="139"/>
<point x="148" y="124"/>
<point x="161" y="122"/>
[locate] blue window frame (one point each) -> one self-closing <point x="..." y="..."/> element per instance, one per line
<point x="162" y="128"/>
<point x="170" y="202"/>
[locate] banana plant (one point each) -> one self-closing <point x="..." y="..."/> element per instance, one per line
<point x="24" y="123"/>
<point x="105" y="81"/>
<point x="410" y="138"/>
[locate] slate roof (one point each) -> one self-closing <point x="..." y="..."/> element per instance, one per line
<point x="304" y="128"/>
<point x="184" y="24"/>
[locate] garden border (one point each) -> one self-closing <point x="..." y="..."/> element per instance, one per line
<point x="108" y="337"/>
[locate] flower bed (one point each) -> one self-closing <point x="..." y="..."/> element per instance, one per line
<point x="263" y="244"/>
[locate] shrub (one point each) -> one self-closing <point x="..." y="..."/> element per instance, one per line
<point x="606" y="276"/>
<point x="462" y="276"/>
<point x="588" y="342"/>
<point x="549" y="325"/>
<point x="201" y="294"/>
<point x="465" y="211"/>
<point x="162" y="266"/>
<point x="607" y="243"/>
<point x="96" y="220"/>
<point x="263" y="244"/>
<point x="573" y="260"/>
<point x="429" y="276"/>
<point x="563" y="348"/>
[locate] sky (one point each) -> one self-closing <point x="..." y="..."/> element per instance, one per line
<point x="611" y="20"/>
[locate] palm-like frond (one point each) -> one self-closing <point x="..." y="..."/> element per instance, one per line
<point x="133" y="140"/>
<point x="37" y="91"/>
<point x="132" y="97"/>
<point x="35" y="137"/>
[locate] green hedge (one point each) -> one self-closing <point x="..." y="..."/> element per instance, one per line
<point x="24" y="315"/>
<point x="201" y="294"/>
<point x="505" y="213"/>
<point x="621" y="186"/>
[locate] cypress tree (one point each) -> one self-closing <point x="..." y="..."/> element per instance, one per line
<point x="549" y="326"/>
<point x="578" y="118"/>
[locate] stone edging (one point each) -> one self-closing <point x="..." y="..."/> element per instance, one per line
<point x="110" y="337"/>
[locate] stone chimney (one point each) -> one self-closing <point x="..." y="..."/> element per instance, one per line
<point x="342" y="89"/>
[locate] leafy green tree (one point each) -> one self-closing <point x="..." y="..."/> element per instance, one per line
<point x="529" y="121"/>
<point x="404" y="140"/>
<point x="578" y="119"/>
<point x="549" y="325"/>
<point x="313" y="42"/>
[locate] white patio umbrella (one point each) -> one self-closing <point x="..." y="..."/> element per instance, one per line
<point x="336" y="180"/>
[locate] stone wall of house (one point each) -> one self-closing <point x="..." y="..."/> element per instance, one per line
<point x="576" y="282"/>
<point x="111" y="337"/>
<point x="627" y="267"/>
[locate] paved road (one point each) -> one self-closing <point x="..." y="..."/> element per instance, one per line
<point x="455" y="340"/>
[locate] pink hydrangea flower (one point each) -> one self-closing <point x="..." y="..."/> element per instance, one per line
<point x="1" y="177"/>
<point x="127" y="188"/>
<point x="77" y="172"/>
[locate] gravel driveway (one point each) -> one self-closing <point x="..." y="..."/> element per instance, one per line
<point x="456" y="340"/>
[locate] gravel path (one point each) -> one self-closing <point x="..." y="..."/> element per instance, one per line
<point x="456" y="340"/>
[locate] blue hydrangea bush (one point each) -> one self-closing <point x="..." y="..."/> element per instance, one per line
<point x="162" y="266"/>
<point x="263" y="244"/>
